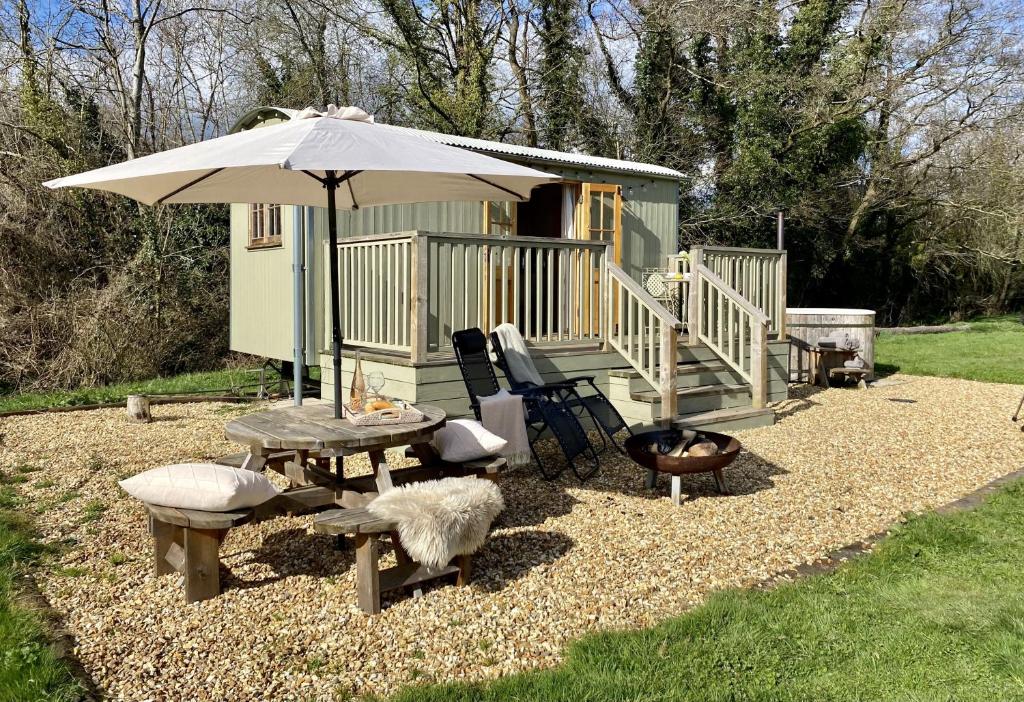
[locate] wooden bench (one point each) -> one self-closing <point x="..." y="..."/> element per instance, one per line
<point x="858" y="374"/>
<point x="370" y="580"/>
<point x="187" y="541"/>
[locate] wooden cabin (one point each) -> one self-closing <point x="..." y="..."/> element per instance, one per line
<point x="583" y="269"/>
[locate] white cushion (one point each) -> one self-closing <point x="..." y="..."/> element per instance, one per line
<point x="204" y="486"/>
<point x="463" y="440"/>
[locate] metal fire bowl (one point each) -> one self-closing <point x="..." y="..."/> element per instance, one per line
<point x="637" y="448"/>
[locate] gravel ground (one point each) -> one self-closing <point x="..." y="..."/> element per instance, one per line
<point x="563" y="560"/>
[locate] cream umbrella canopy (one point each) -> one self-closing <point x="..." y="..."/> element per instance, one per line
<point x="341" y="151"/>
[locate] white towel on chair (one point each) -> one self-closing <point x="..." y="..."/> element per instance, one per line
<point x="516" y="354"/>
<point x="503" y="414"/>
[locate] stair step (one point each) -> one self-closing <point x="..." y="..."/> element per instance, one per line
<point x="701" y="367"/>
<point x="684" y="393"/>
<point x="732" y="419"/>
<point x="688" y="368"/>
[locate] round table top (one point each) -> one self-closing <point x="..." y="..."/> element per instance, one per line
<point x="312" y="427"/>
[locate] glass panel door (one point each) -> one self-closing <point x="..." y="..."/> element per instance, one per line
<point x="600" y="219"/>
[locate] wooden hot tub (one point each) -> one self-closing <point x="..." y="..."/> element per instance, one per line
<point x="808" y="324"/>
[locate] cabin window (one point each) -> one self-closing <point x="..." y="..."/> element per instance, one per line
<point x="500" y="218"/>
<point x="264" y="225"/>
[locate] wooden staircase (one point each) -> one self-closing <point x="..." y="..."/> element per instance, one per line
<point x="725" y="367"/>
<point x="711" y="395"/>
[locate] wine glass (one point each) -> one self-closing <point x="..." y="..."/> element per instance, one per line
<point x="375" y="383"/>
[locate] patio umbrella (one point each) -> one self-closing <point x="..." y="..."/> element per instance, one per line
<point x="341" y="151"/>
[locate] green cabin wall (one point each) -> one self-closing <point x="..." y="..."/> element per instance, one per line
<point x="261" y="290"/>
<point x="260" y="312"/>
<point x="261" y="279"/>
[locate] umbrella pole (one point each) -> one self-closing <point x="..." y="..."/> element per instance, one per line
<point x="331" y="183"/>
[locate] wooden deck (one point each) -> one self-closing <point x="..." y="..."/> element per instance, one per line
<point x="406" y="293"/>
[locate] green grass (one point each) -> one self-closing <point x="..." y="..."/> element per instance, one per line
<point x="29" y="669"/>
<point x="935" y="613"/>
<point x="178" y="384"/>
<point x="93" y="510"/>
<point x="991" y="351"/>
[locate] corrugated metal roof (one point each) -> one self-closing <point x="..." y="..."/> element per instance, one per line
<point x="517" y="151"/>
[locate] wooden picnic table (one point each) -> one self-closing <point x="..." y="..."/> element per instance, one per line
<point x="299" y="443"/>
<point x="827" y="361"/>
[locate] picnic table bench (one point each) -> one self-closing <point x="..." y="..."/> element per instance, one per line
<point x="371" y="581"/>
<point x="300" y="442"/>
<point x="187" y="541"/>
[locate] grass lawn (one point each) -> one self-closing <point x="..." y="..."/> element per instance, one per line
<point x="178" y="384"/>
<point x="935" y="613"/>
<point x="29" y="670"/>
<point x="992" y="351"/>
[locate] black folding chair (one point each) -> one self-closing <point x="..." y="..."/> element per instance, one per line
<point x="543" y="406"/>
<point x="594" y="403"/>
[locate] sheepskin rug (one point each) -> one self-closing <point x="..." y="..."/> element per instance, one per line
<point x="440" y="519"/>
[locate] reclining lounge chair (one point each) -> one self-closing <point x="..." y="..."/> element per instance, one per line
<point x="543" y="407"/>
<point x="515" y="362"/>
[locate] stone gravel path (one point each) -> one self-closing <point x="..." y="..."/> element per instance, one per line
<point x="563" y="560"/>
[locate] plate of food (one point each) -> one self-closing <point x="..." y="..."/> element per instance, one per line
<point x="382" y="411"/>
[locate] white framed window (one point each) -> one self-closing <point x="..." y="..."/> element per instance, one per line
<point x="264" y="225"/>
<point x="500" y="218"/>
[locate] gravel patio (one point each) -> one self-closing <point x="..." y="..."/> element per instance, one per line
<point x="563" y="560"/>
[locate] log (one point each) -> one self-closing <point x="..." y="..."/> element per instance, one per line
<point x="138" y="408"/>
<point x="937" y="329"/>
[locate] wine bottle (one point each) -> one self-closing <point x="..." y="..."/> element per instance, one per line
<point x="357" y="393"/>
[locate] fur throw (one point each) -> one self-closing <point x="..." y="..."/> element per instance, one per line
<point x="440" y="519"/>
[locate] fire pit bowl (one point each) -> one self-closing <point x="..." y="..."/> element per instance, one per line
<point x="638" y="448"/>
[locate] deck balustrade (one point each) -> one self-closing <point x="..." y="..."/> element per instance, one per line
<point x="732" y="327"/>
<point x="758" y="275"/>
<point x="409" y="292"/>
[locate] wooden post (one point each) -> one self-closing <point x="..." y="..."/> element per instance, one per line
<point x="465" y="566"/>
<point x="138" y="409"/>
<point x="202" y="576"/>
<point x="367" y="574"/>
<point x="611" y="299"/>
<point x="164" y="536"/>
<point x="758" y="363"/>
<point x="418" y="336"/>
<point x="667" y="374"/>
<point x="693" y="304"/>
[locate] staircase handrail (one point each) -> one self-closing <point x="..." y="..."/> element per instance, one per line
<point x="640" y="349"/>
<point x="728" y="331"/>
<point x="733" y="293"/>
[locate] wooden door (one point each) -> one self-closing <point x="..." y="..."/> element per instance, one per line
<point x="599" y="218"/>
<point x="600" y="215"/>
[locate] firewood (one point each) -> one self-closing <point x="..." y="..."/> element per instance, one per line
<point x="704" y="448"/>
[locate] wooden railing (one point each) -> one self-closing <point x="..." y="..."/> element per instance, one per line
<point x="409" y="292"/>
<point x="378" y="278"/>
<point x="733" y="328"/>
<point x="645" y="334"/>
<point x="551" y="289"/>
<point x="758" y="275"/>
